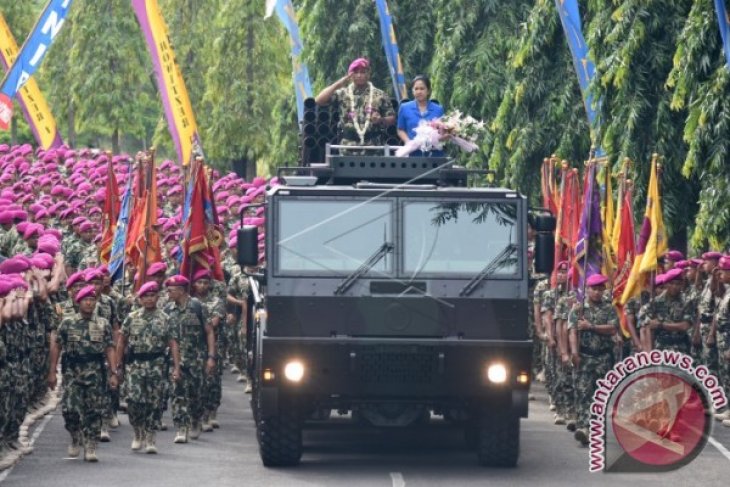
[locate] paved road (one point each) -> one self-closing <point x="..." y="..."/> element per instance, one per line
<point x="336" y="455"/>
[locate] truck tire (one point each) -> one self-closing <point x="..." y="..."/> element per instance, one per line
<point x="498" y="444"/>
<point x="280" y="437"/>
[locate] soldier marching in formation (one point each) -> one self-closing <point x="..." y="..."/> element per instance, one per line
<point x="60" y="305"/>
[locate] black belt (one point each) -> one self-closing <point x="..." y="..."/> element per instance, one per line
<point x="676" y="338"/>
<point x="83" y="359"/>
<point x="146" y="357"/>
<point x="595" y="353"/>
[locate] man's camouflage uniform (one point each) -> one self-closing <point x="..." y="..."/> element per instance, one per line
<point x="722" y="320"/>
<point x="537" y="343"/>
<point x="9" y="239"/>
<point x="16" y="388"/>
<point x="381" y="104"/>
<point x="565" y="375"/>
<point x="668" y="310"/>
<point x="214" y="306"/>
<point x="595" y="350"/>
<point x="705" y="311"/>
<point x="148" y="334"/>
<point x="188" y="403"/>
<point x="85" y="397"/>
<point x="239" y="288"/>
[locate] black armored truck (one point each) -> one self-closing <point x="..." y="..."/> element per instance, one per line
<point x="394" y="290"/>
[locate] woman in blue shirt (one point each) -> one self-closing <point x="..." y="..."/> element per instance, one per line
<point x="420" y="109"/>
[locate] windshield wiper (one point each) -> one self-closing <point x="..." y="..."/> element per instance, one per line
<point x="488" y="270"/>
<point x="384" y="249"/>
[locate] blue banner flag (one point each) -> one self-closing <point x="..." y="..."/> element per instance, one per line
<point x="116" y="261"/>
<point x="390" y="44"/>
<point x="584" y="67"/>
<point x="723" y="18"/>
<point x="36" y="46"/>
<point x="302" y="85"/>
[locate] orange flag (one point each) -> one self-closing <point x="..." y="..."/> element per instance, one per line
<point x="110" y="214"/>
<point x="568" y="223"/>
<point x="625" y="254"/>
<point x="145" y="248"/>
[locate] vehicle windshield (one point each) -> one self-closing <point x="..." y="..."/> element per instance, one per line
<point x="458" y="238"/>
<point x="333" y="237"/>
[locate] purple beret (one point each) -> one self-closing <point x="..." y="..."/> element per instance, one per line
<point x="201" y="274"/>
<point x="85" y="292"/>
<point x="14" y="265"/>
<point x="6" y="217"/>
<point x="42" y="261"/>
<point x="596" y="280"/>
<point x="87" y="225"/>
<point x="724" y="264"/>
<point x="683" y="264"/>
<point x="660" y="279"/>
<point x="177" y="280"/>
<point x="674" y="255"/>
<point x="359" y="63"/>
<point x="148" y="287"/>
<point x="78" y="220"/>
<point x="33" y="230"/>
<point x="20" y="215"/>
<point x="22" y="226"/>
<point x="711" y="255"/>
<point x="74" y="278"/>
<point x="673" y="274"/>
<point x="156" y="268"/>
<point x="92" y="274"/>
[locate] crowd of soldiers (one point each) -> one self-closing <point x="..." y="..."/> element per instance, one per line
<point x="164" y="345"/>
<point x="578" y="341"/>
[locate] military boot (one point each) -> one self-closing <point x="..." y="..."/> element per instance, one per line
<point x="8" y="456"/>
<point x="137" y="441"/>
<point x="114" y="422"/>
<point x="90" y="451"/>
<point x="214" y="419"/>
<point x="182" y="435"/>
<point x="195" y="430"/>
<point x="74" y="449"/>
<point x="722" y="416"/>
<point x="150" y="446"/>
<point x="206" y="425"/>
<point x="241" y="378"/>
<point x="104" y="437"/>
<point x="23" y="445"/>
<point x="581" y="435"/>
<point x="247" y="390"/>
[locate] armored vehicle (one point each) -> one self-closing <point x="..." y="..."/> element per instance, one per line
<point x="393" y="291"/>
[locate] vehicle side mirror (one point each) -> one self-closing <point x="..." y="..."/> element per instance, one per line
<point x="248" y="246"/>
<point x="544" y="258"/>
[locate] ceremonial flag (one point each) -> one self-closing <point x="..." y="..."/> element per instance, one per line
<point x="625" y="252"/>
<point x="652" y="238"/>
<point x="390" y="45"/>
<point x="110" y="214"/>
<point x="201" y="237"/>
<point x="31" y="55"/>
<point x="118" y="254"/>
<point x="302" y="85"/>
<point x="588" y="246"/>
<point x="568" y="220"/>
<point x="584" y="67"/>
<point x="723" y="19"/>
<point x="548" y="186"/>
<point x="608" y="216"/>
<point x="31" y="100"/>
<point x="143" y="243"/>
<point x="178" y="109"/>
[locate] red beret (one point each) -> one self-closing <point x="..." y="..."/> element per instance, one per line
<point x="596" y="280"/>
<point x="148" y="287"/>
<point x="85" y="292"/>
<point x="724" y="263"/>
<point x="156" y="268"/>
<point x="673" y="274"/>
<point x="177" y="280"/>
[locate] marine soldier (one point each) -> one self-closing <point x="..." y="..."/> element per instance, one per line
<point x="237" y="321"/>
<point x="722" y="326"/>
<point x="706" y="309"/>
<point x="215" y="313"/>
<point x="592" y="325"/>
<point x="670" y="315"/>
<point x="196" y="342"/>
<point x="541" y="287"/>
<point x="86" y="340"/>
<point x="147" y="331"/>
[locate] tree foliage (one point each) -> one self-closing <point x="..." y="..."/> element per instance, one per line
<point x="661" y="78"/>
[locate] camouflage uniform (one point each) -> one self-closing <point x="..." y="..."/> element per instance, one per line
<point x="16" y="390"/>
<point x="705" y="310"/>
<point x="238" y="287"/>
<point x="9" y="239"/>
<point x="537" y="344"/>
<point x="595" y="350"/>
<point x="381" y="104"/>
<point x="5" y="388"/>
<point x="74" y="253"/>
<point x="20" y="247"/>
<point x="188" y="403"/>
<point x="213" y="387"/>
<point x="148" y="334"/>
<point x="692" y="294"/>
<point x="537" y="295"/>
<point x="669" y="310"/>
<point x="722" y="319"/>
<point x="565" y="377"/>
<point x="84" y="342"/>
<point x="89" y="257"/>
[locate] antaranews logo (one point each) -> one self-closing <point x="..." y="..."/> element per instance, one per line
<point x="652" y="412"/>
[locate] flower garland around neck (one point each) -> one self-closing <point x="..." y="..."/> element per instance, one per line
<point x="361" y="131"/>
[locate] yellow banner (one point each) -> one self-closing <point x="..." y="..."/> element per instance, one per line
<point x="178" y="109"/>
<point x="31" y="99"/>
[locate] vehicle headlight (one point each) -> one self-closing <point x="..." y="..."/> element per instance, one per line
<point x="497" y="373"/>
<point x="294" y="371"/>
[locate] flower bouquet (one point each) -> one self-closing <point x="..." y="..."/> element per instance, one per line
<point x="462" y="130"/>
